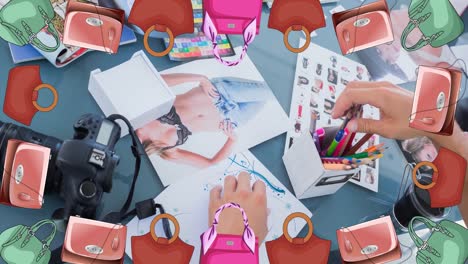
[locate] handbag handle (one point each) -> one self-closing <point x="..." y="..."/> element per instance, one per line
<point x="435" y="175"/>
<point x="297" y="215"/>
<point x="54" y="93"/>
<point x="429" y="223"/>
<point x="165" y="216"/>
<point x="169" y="47"/>
<point x="39" y="224"/>
<point x="51" y="29"/>
<point x="409" y="28"/>
<point x="422" y="245"/>
<point x="210" y="235"/>
<point x="33" y="40"/>
<point x="209" y="29"/>
<point x="16" y="32"/>
<point x="286" y="38"/>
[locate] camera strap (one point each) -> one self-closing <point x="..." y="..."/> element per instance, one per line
<point x="137" y="151"/>
<point x="143" y="209"/>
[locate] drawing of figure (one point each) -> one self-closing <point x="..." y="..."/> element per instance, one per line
<point x="240" y="163"/>
<point x="220" y="104"/>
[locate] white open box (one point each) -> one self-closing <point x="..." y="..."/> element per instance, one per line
<point x="306" y="172"/>
<point x="134" y="89"/>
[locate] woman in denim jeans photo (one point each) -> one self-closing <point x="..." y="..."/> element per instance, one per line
<point x="217" y="104"/>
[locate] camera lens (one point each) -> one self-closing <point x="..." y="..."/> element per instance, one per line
<point x="88" y="189"/>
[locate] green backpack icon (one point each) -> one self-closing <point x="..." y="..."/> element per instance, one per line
<point x="21" y="20"/>
<point x="19" y="244"/>
<point x="447" y="244"/>
<point x="437" y="20"/>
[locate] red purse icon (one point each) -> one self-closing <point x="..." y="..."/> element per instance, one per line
<point x="24" y="83"/>
<point x="175" y="17"/>
<point x="446" y="188"/>
<point x="289" y="15"/>
<point x="435" y="100"/>
<point x="150" y="248"/>
<point x="298" y="250"/>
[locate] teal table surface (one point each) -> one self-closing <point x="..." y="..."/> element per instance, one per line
<point x="347" y="207"/>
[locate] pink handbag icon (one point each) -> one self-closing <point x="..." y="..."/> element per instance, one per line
<point x="231" y="17"/>
<point x="229" y="249"/>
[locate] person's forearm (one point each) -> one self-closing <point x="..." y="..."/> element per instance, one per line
<point x="457" y="142"/>
<point x="173" y="79"/>
<point x="224" y="152"/>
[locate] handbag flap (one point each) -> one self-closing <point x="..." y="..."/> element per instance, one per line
<point x="380" y="5"/>
<point x="239" y="9"/>
<point x="28" y="175"/>
<point x="456" y="77"/>
<point x="368" y="240"/>
<point x="9" y="158"/>
<point x="177" y="15"/>
<point x="287" y="13"/>
<point x="75" y="6"/>
<point x="431" y="98"/>
<point x="95" y="240"/>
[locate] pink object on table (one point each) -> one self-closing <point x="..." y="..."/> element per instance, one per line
<point x="229" y="249"/>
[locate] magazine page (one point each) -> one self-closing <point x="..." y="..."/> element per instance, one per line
<point x="418" y="149"/>
<point x="217" y="111"/>
<point x="321" y="76"/>
<point x="65" y="54"/>
<point x="391" y="62"/>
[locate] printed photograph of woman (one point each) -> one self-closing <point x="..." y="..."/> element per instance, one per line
<point x="217" y="112"/>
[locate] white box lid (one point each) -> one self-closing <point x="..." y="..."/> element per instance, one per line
<point x="134" y="87"/>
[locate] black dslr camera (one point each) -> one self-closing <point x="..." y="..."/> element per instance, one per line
<point x="80" y="169"/>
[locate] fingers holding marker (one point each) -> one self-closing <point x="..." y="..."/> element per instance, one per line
<point x="365" y="125"/>
<point x="358" y="96"/>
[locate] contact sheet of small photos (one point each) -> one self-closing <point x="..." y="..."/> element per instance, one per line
<point x="321" y="75"/>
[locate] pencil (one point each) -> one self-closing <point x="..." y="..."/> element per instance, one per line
<point x="359" y="144"/>
<point x="337" y="167"/>
<point x="375" y="147"/>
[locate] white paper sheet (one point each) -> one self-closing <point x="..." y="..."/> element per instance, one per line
<point x="321" y="75"/>
<point x="188" y="202"/>
<point x="266" y="122"/>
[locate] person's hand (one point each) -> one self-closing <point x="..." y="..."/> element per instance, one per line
<point x="209" y="88"/>
<point x="394" y="103"/>
<point x="251" y="199"/>
<point x="228" y="128"/>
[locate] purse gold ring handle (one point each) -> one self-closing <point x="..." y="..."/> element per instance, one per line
<point x="286" y="40"/>
<point x="174" y="221"/>
<point x="54" y="93"/>
<point x="297" y="215"/>
<point x="434" y="177"/>
<point x="154" y="53"/>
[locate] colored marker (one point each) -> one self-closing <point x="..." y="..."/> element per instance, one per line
<point x="341" y="145"/>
